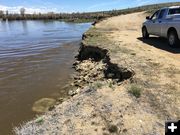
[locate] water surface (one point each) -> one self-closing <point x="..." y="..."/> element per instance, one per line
<point x="35" y="62"/>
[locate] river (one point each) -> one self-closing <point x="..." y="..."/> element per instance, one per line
<point x="35" y="62"/>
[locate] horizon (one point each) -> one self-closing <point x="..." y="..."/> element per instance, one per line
<point x="44" y="6"/>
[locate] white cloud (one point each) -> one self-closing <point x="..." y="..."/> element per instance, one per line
<point x="145" y="2"/>
<point x="29" y="10"/>
<point x="104" y="4"/>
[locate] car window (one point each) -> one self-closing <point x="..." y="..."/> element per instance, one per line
<point x="161" y="14"/>
<point x="155" y="15"/>
<point x="174" y="11"/>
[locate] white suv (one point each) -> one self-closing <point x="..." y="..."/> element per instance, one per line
<point x="164" y="23"/>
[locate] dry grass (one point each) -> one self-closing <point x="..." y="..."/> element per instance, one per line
<point x="135" y="90"/>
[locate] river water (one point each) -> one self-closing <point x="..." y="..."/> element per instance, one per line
<point x="35" y="62"/>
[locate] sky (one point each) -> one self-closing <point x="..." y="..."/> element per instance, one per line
<point x="70" y="6"/>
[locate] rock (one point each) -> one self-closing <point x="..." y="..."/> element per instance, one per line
<point x="110" y="75"/>
<point x="72" y="84"/>
<point x="72" y="93"/>
<point x="124" y="130"/>
<point x="88" y="90"/>
<point x="60" y="99"/>
<point x="43" y="105"/>
<point x="112" y="128"/>
<point x="94" y="23"/>
<point x="51" y="108"/>
<point x="76" y="63"/>
<point x="84" y="36"/>
<point x="76" y="77"/>
<point x="78" y="90"/>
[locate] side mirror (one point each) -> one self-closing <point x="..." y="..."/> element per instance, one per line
<point x="148" y="18"/>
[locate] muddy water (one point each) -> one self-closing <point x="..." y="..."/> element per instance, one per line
<point x="35" y="62"/>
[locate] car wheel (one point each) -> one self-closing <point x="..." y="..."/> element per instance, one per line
<point x="145" y="33"/>
<point x="173" y="39"/>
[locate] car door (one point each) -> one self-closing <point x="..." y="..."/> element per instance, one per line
<point x="153" y="24"/>
<point x="159" y="22"/>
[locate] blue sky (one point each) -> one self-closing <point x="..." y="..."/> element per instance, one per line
<point x="73" y="5"/>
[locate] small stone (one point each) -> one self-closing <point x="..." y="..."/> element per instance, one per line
<point x="51" y="108"/>
<point x="78" y="90"/>
<point x="43" y="105"/>
<point x="124" y="130"/>
<point x="113" y="129"/>
<point x="103" y="128"/>
<point x="72" y="93"/>
<point x="60" y="99"/>
<point x="110" y="75"/>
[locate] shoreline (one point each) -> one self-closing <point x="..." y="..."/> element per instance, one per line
<point x="60" y="20"/>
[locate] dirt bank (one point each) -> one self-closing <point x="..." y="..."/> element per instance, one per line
<point x="125" y="85"/>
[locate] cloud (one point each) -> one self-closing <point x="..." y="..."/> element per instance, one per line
<point x="145" y="2"/>
<point x="29" y="10"/>
<point x="104" y="4"/>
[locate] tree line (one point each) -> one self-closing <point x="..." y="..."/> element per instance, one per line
<point x="5" y="15"/>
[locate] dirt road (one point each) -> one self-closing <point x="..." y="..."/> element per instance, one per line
<point x="126" y="29"/>
<point x="133" y="85"/>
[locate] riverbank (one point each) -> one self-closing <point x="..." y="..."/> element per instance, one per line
<point x="123" y="84"/>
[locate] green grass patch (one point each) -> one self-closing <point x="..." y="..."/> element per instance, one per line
<point x="135" y="90"/>
<point x="98" y="85"/>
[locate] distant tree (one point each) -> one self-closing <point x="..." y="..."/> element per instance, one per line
<point x="7" y="12"/>
<point x="1" y="13"/>
<point x="22" y="11"/>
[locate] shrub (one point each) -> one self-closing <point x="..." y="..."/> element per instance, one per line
<point x="135" y="90"/>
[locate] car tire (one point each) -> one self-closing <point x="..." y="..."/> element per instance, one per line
<point x="173" y="39"/>
<point x="145" y="33"/>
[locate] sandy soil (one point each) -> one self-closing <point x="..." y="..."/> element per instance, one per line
<point x="127" y="30"/>
<point x="136" y="106"/>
